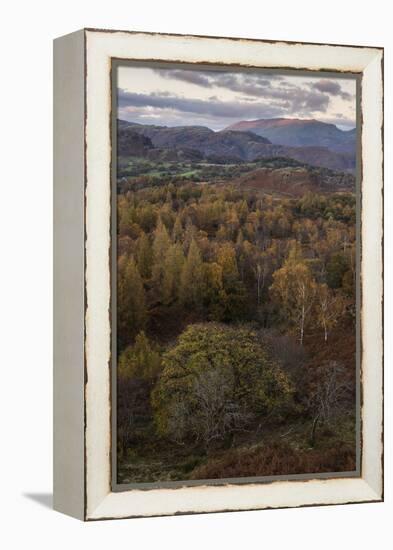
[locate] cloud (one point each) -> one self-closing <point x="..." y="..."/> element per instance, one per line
<point x="237" y="82"/>
<point x="331" y="87"/>
<point x="258" y="86"/>
<point x="164" y="117"/>
<point x="338" y="119"/>
<point x="211" y="107"/>
<point x="195" y="77"/>
<point x="218" y="98"/>
<point x="271" y="103"/>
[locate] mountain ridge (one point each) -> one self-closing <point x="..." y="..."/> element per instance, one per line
<point x="300" y="133"/>
<point x="222" y="146"/>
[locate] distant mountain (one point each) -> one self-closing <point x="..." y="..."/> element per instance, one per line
<point x="300" y="133"/>
<point x="183" y="142"/>
<point x="238" y="146"/>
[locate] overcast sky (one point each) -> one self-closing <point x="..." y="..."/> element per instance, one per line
<point x="177" y="97"/>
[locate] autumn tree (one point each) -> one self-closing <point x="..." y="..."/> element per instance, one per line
<point x="191" y="279"/>
<point x="126" y="214"/>
<point x="131" y="300"/>
<point x="173" y="266"/>
<point x="226" y="258"/>
<point x="140" y="360"/>
<point x="335" y="270"/>
<point x="243" y="211"/>
<point x="212" y="290"/>
<point x="233" y="294"/>
<point x="260" y="270"/>
<point x="177" y="232"/>
<point x="161" y="244"/>
<point x="189" y="234"/>
<point x="144" y="256"/>
<point x="138" y="368"/>
<point x="146" y="217"/>
<point x="330" y="306"/>
<point x="294" y="289"/>
<point x="232" y="224"/>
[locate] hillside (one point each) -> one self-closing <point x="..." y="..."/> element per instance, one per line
<point x="295" y="181"/>
<point x="227" y="146"/>
<point x="131" y="143"/>
<point x="300" y="133"/>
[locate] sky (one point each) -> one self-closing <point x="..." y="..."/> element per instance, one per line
<point x="217" y="98"/>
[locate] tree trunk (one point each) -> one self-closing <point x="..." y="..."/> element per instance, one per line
<point x="302" y="327"/>
<point x="259" y="286"/>
<point x="314" y="430"/>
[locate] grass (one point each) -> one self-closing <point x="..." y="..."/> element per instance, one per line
<point x="276" y="450"/>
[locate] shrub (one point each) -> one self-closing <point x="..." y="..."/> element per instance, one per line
<point x="277" y="459"/>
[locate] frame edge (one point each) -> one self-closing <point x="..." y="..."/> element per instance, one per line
<point x="68" y="272"/>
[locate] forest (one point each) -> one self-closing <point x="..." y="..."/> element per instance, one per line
<point x="236" y="325"/>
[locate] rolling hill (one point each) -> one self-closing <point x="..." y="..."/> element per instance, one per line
<point x="295" y="181"/>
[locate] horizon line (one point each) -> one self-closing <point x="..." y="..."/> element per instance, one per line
<point x="239" y="121"/>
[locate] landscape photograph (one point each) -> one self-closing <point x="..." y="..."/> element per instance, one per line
<point x="236" y="274"/>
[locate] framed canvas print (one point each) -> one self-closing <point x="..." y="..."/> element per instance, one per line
<point x="218" y="274"/>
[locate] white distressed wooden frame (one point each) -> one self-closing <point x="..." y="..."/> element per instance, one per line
<point x="82" y="469"/>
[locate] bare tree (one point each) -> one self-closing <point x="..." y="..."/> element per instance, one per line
<point x="327" y="395"/>
<point x="133" y="404"/>
<point x="213" y="415"/>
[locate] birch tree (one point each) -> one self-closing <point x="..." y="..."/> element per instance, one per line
<point x="294" y="289"/>
<point x="330" y="307"/>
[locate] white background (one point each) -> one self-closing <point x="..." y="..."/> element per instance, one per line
<point x="28" y="28"/>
